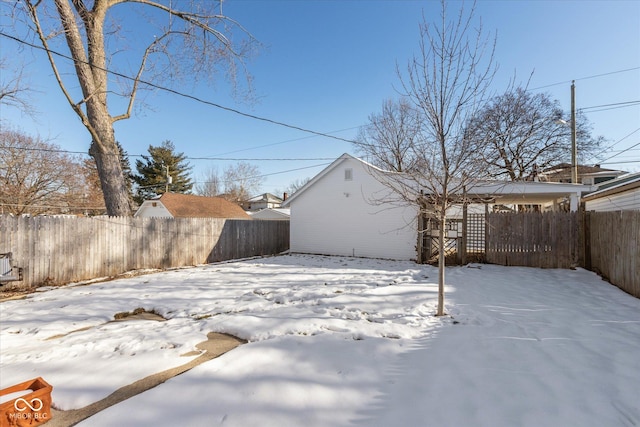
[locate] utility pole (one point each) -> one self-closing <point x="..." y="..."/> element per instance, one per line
<point x="574" y="148"/>
<point x="169" y="179"/>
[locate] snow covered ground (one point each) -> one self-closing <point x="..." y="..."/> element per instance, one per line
<point x="339" y="341"/>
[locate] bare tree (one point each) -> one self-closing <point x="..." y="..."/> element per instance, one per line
<point x="241" y="181"/>
<point x="521" y="132"/>
<point x="211" y="185"/>
<point x="194" y="35"/>
<point x="90" y="199"/>
<point x="296" y="185"/>
<point x="14" y="92"/>
<point x="446" y="83"/>
<point x="290" y="189"/>
<point x="388" y="139"/>
<point x="35" y="176"/>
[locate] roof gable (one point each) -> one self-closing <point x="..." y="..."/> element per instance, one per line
<point x="514" y="191"/>
<point x="272" y="213"/>
<point x="325" y="172"/>
<point x="565" y="168"/>
<point x="624" y="183"/>
<point x="265" y="197"/>
<point x="190" y="206"/>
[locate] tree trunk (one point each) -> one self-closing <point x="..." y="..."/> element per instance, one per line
<point x="92" y="76"/>
<point x="420" y="243"/>
<point x="441" y="264"/>
<point x="111" y="180"/>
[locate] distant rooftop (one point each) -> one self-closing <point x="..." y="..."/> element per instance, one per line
<point x="190" y="206"/>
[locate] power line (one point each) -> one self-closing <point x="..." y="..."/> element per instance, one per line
<point x="633" y="149"/>
<point x="181" y="94"/>
<point x="614" y="144"/>
<point x="623" y="151"/>
<point x="260" y="159"/>
<point x="20" y="205"/>
<point x="236" y="159"/>
<point x="275" y="173"/>
<point x="621" y="104"/>
<point x="283" y="142"/>
<point x="611" y="108"/>
<point x="272" y="121"/>
<point x="586" y="78"/>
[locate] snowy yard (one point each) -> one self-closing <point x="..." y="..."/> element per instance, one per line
<point x="339" y="342"/>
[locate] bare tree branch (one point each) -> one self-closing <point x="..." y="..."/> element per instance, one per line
<point x="13" y="89"/>
<point x="206" y="44"/>
<point x="32" y="9"/>
<point x="520" y="132"/>
<point x="387" y="140"/>
<point x="447" y="83"/>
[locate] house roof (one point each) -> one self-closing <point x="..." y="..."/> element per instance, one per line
<point x="266" y="197"/>
<point x="564" y="170"/>
<point x="506" y="191"/>
<point x="624" y="183"/>
<point x="190" y="206"/>
<point x="527" y="192"/>
<point x="283" y="213"/>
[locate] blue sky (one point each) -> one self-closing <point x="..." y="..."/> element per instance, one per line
<point x="327" y="65"/>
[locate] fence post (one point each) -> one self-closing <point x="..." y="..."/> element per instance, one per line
<point x="463" y="249"/>
<point x="486" y="230"/>
<point x="420" y="242"/>
<point x="586" y="236"/>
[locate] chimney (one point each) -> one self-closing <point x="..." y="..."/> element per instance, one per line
<point x="285" y="196"/>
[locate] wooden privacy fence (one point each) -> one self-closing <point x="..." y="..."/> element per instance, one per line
<point x="56" y="250"/>
<point x="534" y="239"/>
<point x="612" y="247"/>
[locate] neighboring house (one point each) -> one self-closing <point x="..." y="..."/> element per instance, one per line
<point x="620" y="194"/>
<point x="177" y="205"/>
<point x="588" y="175"/>
<point x="345" y="210"/>
<point x="263" y="201"/>
<point x="333" y="214"/>
<point x="275" y="214"/>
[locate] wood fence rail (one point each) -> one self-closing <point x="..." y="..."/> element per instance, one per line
<point x="56" y="250"/>
<point x="612" y="247"/>
<point x="533" y="239"/>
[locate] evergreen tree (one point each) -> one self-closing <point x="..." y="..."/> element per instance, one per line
<point x="154" y="171"/>
<point x="126" y="170"/>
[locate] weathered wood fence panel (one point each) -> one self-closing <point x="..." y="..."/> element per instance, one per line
<point x="534" y="239"/>
<point x="55" y="250"/>
<point x="613" y="241"/>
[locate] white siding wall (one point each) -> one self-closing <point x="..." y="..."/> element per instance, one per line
<point x="627" y="200"/>
<point x="148" y="210"/>
<point x="334" y="216"/>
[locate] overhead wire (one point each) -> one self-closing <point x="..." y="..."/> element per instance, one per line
<point x="287" y="125"/>
<point x="237" y="159"/>
<point x="181" y="94"/>
<point x="594" y="156"/>
<point x="618" y="104"/>
<point x="623" y="151"/>
<point x="281" y="172"/>
<point x="283" y="142"/>
<point x="586" y="78"/>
